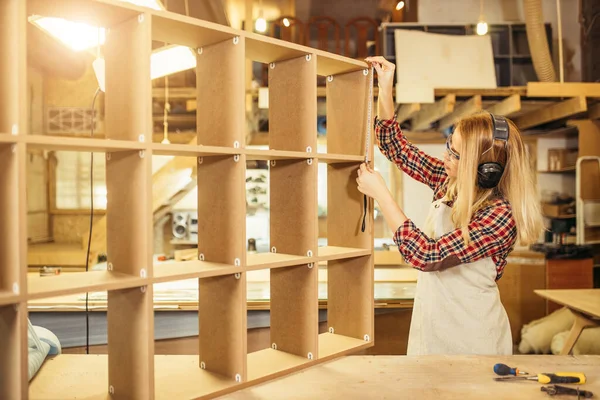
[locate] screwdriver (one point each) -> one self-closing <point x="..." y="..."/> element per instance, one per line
<point x="503" y="369"/>
<point x="559" y="377"/>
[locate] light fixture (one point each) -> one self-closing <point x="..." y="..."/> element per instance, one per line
<point x="482" y="26"/>
<point x="400" y="5"/>
<point x="261" y="23"/>
<point x="75" y="35"/>
<point x="154" y="4"/>
<point x="171" y="59"/>
<point x="286" y="22"/>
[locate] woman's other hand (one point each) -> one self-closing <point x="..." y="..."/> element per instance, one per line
<point x="371" y="183"/>
<point x="385" y="72"/>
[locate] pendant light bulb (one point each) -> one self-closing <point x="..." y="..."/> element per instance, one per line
<point x="400" y="5"/>
<point x="482" y="28"/>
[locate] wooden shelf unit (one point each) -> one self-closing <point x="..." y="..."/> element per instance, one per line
<point x="131" y="369"/>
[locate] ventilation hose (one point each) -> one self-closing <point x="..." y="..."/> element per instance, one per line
<point x="538" y="43"/>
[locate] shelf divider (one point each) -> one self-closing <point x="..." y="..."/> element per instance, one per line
<point x="13" y="352"/>
<point x="129" y="216"/>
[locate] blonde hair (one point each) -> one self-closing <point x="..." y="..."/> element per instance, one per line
<point x="517" y="184"/>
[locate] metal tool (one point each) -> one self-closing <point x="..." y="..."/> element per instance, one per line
<point x="558" y="390"/>
<point x="369" y="72"/>
<point x="558" y="377"/>
<point x="503" y="369"/>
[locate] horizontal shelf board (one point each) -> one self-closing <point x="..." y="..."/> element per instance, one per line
<point x="340" y="158"/>
<point x="81" y="376"/>
<point x="255" y="154"/>
<point x="79" y="282"/>
<point x="558" y="171"/>
<point x="266" y="50"/>
<point x="7" y="297"/>
<point x="179" y="270"/>
<point x="7" y="138"/>
<point x="173" y="28"/>
<point x="270" y="363"/>
<point x="336" y="253"/>
<point x="47" y="142"/>
<point x="331" y="344"/>
<point x="104" y="13"/>
<point x="191" y="150"/>
<point x="274" y="260"/>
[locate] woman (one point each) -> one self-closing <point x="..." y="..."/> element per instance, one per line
<point x="484" y="202"/>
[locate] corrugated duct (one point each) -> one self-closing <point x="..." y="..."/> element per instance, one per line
<point x="538" y="43"/>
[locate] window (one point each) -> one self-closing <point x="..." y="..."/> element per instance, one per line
<point x="73" y="180"/>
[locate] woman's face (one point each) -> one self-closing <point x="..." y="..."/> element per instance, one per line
<point x="451" y="154"/>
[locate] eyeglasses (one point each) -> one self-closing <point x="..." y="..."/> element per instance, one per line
<point x="449" y="147"/>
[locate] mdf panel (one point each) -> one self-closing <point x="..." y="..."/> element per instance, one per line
<point x="350" y="297"/>
<point x="222" y="209"/>
<point x="347" y="102"/>
<point x="222" y="325"/>
<point x="293" y="207"/>
<point x="131" y="343"/>
<point x="220" y="114"/>
<point x="293" y="104"/>
<point x="128" y="85"/>
<point x="295" y="310"/>
<point x="13" y="352"/>
<point x="10" y="219"/>
<point x="345" y="210"/>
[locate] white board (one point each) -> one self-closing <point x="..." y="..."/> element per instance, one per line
<point x="428" y="61"/>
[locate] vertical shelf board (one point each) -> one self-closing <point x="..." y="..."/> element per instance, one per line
<point x="350" y="297"/>
<point x="293" y="104"/>
<point x="222" y="324"/>
<point x="220" y="111"/>
<point x="294" y="311"/>
<point x="345" y="209"/>
<point x="13" y="352"/>
<point x="129" y="216"/>
<point x="222" y="209"/>
<point x="10" y="217"/>
<point x="347" y="102"/>
<point x="128" y="99"/>
<point x="131" y="342"/>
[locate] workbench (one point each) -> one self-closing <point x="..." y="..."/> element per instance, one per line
<point x="424" y="377"/>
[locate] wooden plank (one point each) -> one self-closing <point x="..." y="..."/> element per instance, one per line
<point x="507" y="107"/>
<point x="274" y="260"/>
<point x="589" y="145"/>
<point x="11" y="354"/>
<point x="52" y="143"/>
<point x="265" y="155"/>
<point x="434" y="112"/>
<point x="222" y="210"/>
<point x="187" y="31"/>
<point x="564" y="109"/>
<point x="350" y="297"/>
<point x="495" y="92"/>
<point x="586" y="301"/>
<point x="293" y="203"/>
<point x="222" y="325"/>
<point x="128" y="85"/>
<point x="293" y="104"/>
<point x="294" y="314"/>
<point x="9" y="217"/>
<point x="220" y="94"/>
<point x="347" y="100"/>
<point x="331" y="344"/>
<point x="179" y="270"/>
<point x="11" y="46"/>
<point x="339" y="158"/>
<point x="337" y="253"/>
<point x="594" y="111"/>
<point x="465" y="109"/>
<point x="270" y="363"/>
<point x="407" y="111"/>
<point x="131" y="342"/>
<point x="569" y="89"/>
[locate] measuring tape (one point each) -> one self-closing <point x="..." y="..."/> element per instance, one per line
<point x="368" y="72"/>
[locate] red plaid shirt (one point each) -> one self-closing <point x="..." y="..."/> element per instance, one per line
<point x="492" y="229"/>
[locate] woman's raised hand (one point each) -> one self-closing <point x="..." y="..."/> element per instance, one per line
<point x="385" y="72"/>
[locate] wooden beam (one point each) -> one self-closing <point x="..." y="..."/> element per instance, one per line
<point x="507" y="107"/>
<point x="433" y="112"/>
<point x="564" y="109"/>
<point x="499" y="91"/>
<point x="407" y="111"/>
<point x="594" y="111"/>
<point x="465" y="109"/>
<point x="556" y="89"/>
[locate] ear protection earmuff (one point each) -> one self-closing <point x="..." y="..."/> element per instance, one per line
<point x="489" y="173"/>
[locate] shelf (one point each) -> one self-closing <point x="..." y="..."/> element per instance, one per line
<point x="179" y="270"/>
<point x="558" y="171"/>
<point x="188" y="150"/>
<point x="566" y="216"/>
<point x="77" y="376"/>
<point x="339" y="158"/>
<point x="269" y="363"/>
<point x="337" y="253"/>
<point x="274" y="260"/>
<point x="79" y="282"/>
<point x="331" y="345"/>
<point x="47" y="142"/>
<point x="7" y="138"/>
<point x="264" y="155"/>
<point x="7" y="297"/>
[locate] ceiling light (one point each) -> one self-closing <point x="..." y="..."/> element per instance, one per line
<point x="286" y="22"/>
<point x="76" y="35"/>
<point x="482" y="28"/>
<point x="171" y="59"/>
<point x="399" y="6"/>
<point x="154" y="4"/>
<point x="261" y="25"/>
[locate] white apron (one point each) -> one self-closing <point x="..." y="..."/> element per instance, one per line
<point x="458" y="310"/>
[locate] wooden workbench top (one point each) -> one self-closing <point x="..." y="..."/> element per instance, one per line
<point x="586" y="301"/>
<point x="430" y="377"/>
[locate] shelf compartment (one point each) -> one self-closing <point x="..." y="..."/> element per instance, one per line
<point x="173" y="28"/>
<point x="269" y="363"/>
<point x="57" y="143"/>
<point x="265" y="155"/>
<point x="186" y="150"/>
<point x="179" y="270"/>
<point x="274" y="260"/>
<point x="340" y="158"/>
<point x="327" y="253"/>
<point x="13" y="352"/>
<point x="79" y="282"/>
<point x="334" y="345"/>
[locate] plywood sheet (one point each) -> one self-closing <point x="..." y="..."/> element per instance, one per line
<point x="293" y="104"/>
<point x="9" y="220"/>
<point x="429" y="61"/>
<point x="220" y="94"/>
<point x="10" y="22"/>
<point x="10" y="353"/>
